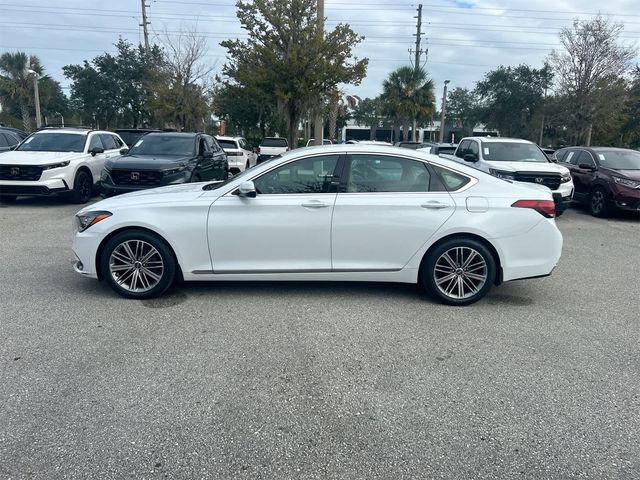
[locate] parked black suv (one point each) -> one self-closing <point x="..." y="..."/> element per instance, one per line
<point x="8" y="139"/>
<point x="159" y="159"/>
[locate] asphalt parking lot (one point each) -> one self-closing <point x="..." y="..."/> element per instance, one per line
<point x="309" y="380"/>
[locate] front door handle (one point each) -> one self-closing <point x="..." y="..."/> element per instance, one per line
<point x="315" y="204"/>
<point x="434" y="205"/>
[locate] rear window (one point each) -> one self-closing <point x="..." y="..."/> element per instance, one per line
<point x="274" y="142"/>
<point x="228" y="144"/>
<point x="452" y="180"/>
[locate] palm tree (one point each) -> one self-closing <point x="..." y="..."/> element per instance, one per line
<point x="16" y="82"/>
<point x="339" y="101"/>
<point x="408" y="96"/>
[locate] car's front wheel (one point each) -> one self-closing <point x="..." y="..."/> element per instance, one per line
<point x="138" y="264"/>
<point x="82" y="187"/>
<point x="459" y="271"/>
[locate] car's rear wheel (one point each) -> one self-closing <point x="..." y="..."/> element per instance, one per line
<point x="598" y="202"/>
<point x="8" y="198"/>
<point x="82" y="187"/>
<point x="138" y="264"/>
<point x="459" y="271"/>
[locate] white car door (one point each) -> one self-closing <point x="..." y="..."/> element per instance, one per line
<point x="96" y="162"/>
<point x="391" y="207"/>
<point x="285" y="228"/>
<point x="248" y="154"/>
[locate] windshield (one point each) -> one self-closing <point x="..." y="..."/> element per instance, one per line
<point x="54" y="142"/>
<point x="228" y="144"/>
<point x="619" y="159"/>
<point x="130" y="137"/>
<point x="513" y="152"/>
<point x="274" y="142"/>
<point x="154" y="144"/>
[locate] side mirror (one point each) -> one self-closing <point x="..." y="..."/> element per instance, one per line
<point x="96" y="150"/>
<point x="247" y="189"/>
<point x="470" y="157"/>
<point x="124" y="151"/>
<point x="586" y="166"/>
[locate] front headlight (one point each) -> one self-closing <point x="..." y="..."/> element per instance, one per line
<point x="56" y="165"/>
<point x="625" y="182"/>
<point x="502" y="174"/>
<point x="85" y="220"/>
<point x="565" y="177"/>
<point x="172" y="171"/>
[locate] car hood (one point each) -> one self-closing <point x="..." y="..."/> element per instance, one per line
<point x="528" y="167"/>
<point x="39" y="158"/>
<point x="184" y="192"/>
<point x="632" y="174"/>
<point x="147" y="162"/>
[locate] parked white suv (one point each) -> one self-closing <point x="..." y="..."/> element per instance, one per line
<point x="239" y="153"/>
<point x="516" y="160"/>
<point x="57" y="160"/>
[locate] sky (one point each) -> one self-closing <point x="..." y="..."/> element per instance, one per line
<point x="464" y="39"/>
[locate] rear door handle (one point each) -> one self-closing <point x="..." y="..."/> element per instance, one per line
<point x="434" y="205"/>
<point x="315" y="204"/>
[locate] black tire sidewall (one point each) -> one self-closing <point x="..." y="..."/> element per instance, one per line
<point x="77" y="196"/>
<point x="163" y="248"/>
<point x="603" y="211"/>
<point x="426" y="271"/>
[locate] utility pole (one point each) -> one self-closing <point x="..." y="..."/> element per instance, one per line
<point x="144" y="25"/>
<point x="318" y="127"/>
<point x="417" y="63"/>
<point x="542" y="122"/>
<point x="444" y="110"/>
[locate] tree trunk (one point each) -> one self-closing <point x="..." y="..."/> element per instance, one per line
<point x="405" y="131"/>
<point x="26" y="119"/>
<point x="293" y="132"/>
<point x="588" y="139"/>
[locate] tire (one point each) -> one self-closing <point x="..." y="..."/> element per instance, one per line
<point x="150" y="261"/>
<point x="444" y="274"/>
<point x="598" y="205"/>
<point x="82" y="187"/>
<point x="8" y="198"/>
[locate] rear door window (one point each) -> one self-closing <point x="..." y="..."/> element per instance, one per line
<point x="382" y="173"/>
<point x="108" y="141"/>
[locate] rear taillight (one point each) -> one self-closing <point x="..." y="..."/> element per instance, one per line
<point x="546" y="208"/>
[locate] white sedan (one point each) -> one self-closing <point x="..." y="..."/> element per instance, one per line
<point x="337" y="212"/>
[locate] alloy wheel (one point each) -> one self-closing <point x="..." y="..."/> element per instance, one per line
<point x="136" y="266"/>
<point x="460" y="272"/>
<point x="597" y="201"/>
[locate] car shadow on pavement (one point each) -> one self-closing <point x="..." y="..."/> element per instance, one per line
<point x="614" y="214"/>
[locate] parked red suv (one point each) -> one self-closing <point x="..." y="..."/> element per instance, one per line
<point x="604" y="177"/>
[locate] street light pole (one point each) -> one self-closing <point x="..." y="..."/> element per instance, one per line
<point x="36" y="95"/>
<point x="318" y="127"/>
<point x="444" y="110"/>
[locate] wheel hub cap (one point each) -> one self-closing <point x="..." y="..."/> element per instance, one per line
<point x="136" y="266"/>
<point x="460" y="272"/>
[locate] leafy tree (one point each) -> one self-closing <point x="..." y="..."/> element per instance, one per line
<point x="588" y="68"/>
<point x="115" y="88"/>
<point x="462" y="104"/>
<point x="631" y="129"/>
<point x="287" y="61"/>
<point x="338" y="108"/>
<point x="408" y="96"/>
<point x="509" y="98"/>
<point x="369" y="113"/>
<point x="16" y="84"/>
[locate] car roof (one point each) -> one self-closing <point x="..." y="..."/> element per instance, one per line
<point x="234" y="139"/>
<point x="272" y="138"/>
<point x="500" y="139"/>
<point x="72" y="130"/>
<point x="173" y="134"/>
